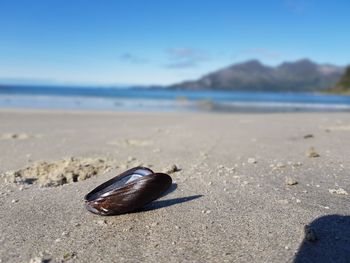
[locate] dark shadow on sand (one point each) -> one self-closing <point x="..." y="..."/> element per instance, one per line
<point x="171" y="189"/>
<point x="158" y="204"/>
<point x="165" y="203"/>
<point x="332" y="244"/>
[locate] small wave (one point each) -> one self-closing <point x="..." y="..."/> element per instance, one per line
<point x="164" y="105"/>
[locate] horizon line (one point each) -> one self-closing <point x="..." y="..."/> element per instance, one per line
<point x="23" y="81"/>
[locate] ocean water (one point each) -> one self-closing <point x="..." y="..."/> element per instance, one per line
<point x="144" y="99"/>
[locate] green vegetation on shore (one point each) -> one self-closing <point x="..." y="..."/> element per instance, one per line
<point x="343" y="86"/>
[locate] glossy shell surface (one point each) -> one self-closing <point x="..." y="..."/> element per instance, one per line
<point x="127" y="192"/>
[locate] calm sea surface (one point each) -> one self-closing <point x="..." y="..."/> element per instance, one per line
<point x="142" y="99"/>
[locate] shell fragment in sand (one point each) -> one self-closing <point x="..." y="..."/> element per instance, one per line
<point x="339" y="191"/>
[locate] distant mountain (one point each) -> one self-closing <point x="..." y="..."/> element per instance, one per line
<point x="302" y="75"/>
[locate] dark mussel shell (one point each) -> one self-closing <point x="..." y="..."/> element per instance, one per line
<point x="127" y="192"/>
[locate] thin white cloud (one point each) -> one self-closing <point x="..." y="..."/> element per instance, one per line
<point x="185" y="57"/>
<point x="133" y="59"/>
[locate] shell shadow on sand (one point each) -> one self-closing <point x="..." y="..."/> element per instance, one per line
<point x="158" y="204"/>
<point x="169" y="202"/>
<point x="329" y="242"/>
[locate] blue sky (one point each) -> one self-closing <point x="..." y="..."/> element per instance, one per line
<point x="162" y="41"/>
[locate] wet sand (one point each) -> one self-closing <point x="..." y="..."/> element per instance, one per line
<point x="248" y="186"/>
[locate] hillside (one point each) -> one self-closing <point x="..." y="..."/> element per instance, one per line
<point x="302" y="75"/>
<point x="343" y="86"/>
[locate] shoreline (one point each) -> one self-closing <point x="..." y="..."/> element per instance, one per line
<point x="174" y="101"/>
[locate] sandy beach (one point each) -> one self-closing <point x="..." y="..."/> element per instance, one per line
<point x="252" y="187"/>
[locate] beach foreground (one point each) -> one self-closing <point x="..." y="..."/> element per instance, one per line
<point x="248" y="186"/>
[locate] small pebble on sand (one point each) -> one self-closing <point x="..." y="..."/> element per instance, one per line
<point x="339" y="191"/>
<point x="172" y="169"/>
<point x="291" y="181"/>
<point x="280" y="165"/>
<point x="64" y="234"/>
<point x="252" y="160"/>
<point x="37" y="260"/>
<point x="136" y="142"/>
<point x="311" y="153"/>
<point x="296" y="165"/>
<point x="308" y="136"/>
<point x="221" y="167"/>
<point x="127" y="229"/>
<point x="102" y="222"/>
<point x="15" y="136"/>
<point x="69" y="255"/>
